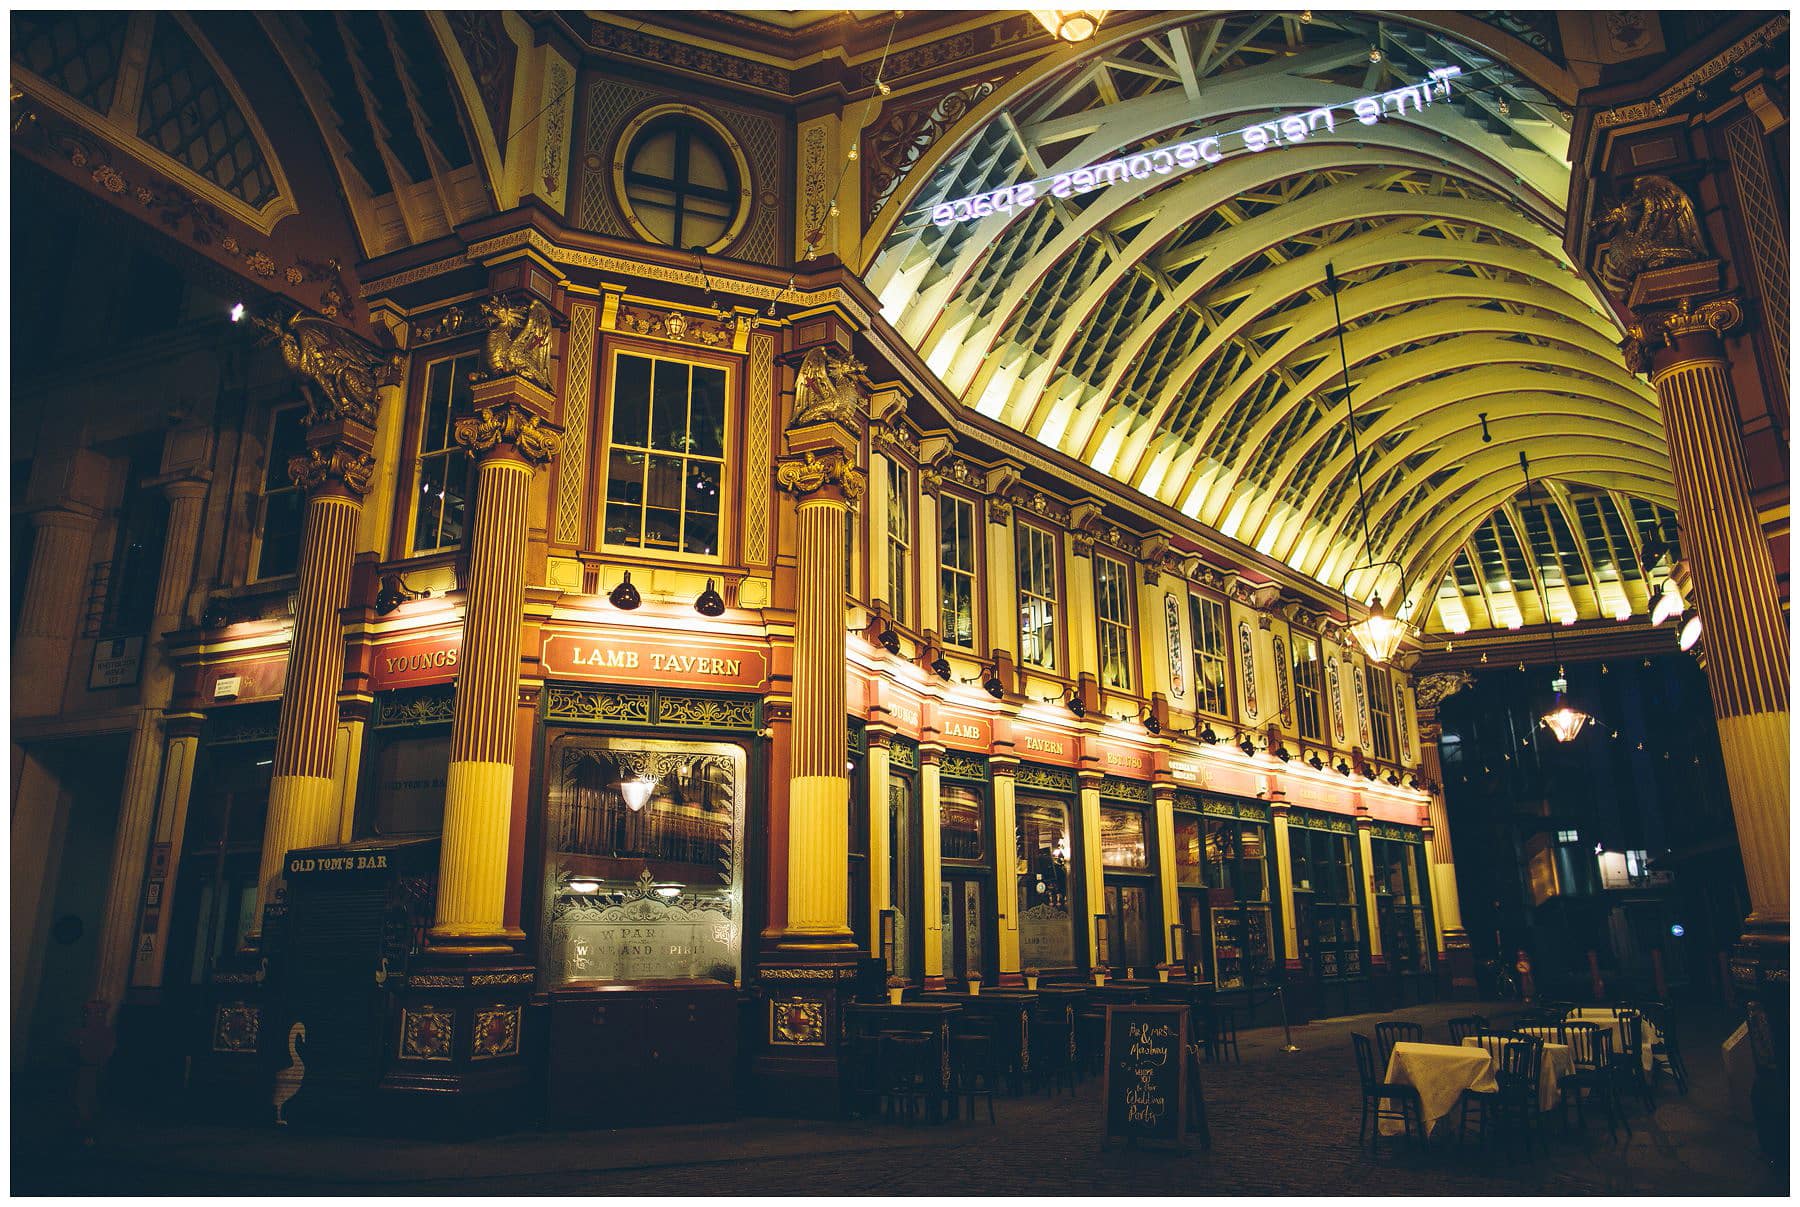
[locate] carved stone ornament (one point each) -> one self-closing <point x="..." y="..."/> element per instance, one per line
<point x="827" y="389"/>
<point x="317" y="467"/>
<point x="341" y="369"/>
<point x="490" y="427"/>
<point x="1431" y="690"/>
<point x="999" y="510"/>
<point x="1659" y="327"/>
<point x="518" y="339"/>
<point x="812" y="472"/>
<point x="1657" y="229"/>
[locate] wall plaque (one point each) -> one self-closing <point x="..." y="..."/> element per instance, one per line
<point x="116" y="663"/>
<point x="686" y="660"/>
<point x="417" y="661"/>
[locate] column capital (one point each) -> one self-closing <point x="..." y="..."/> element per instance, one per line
<point x="1003" y="765"/>
<point x="510" y="429"/>
<point x="831" y="474"/>
<point x="338" y="460"/>
<point x="67" y="513"/>
<point x="183" y="484"/>
<point x="1660" y="340"/>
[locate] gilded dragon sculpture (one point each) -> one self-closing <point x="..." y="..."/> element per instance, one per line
<point x="826" y="389"/>
<point x="1657" y="229"/>
<point x="342" y="370"/>
<point x="518" y="339"/>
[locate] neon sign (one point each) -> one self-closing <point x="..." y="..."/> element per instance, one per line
<point x="1174" y="159"/>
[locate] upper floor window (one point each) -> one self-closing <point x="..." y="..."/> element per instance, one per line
<point x="281" y="509"/>
<point x="667" y="467"/>
<point x="683" y="182"/>
<point x="956" y="571"/>
<point x="1037" y="597"/>
<point x="1112" y="607"/>
<point x="1381" y="697"/>
<point x="441" y="504"/>
<point x="899" y="540"/>
<point x="1306" y="686"/>
<point x="1210" y="653"/>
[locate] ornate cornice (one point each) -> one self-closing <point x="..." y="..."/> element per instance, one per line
<point x="1682" y="88"/>
<point x="812" y="472"/>
<point x="513" y="426"/>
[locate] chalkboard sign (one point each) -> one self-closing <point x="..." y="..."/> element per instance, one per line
<point x="1145" y="1084"/>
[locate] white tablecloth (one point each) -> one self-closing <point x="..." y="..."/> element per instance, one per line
<point x="1558" y="1062"/>
<point x="1440" y="1072"/>
<point x="1647" y="1034"/>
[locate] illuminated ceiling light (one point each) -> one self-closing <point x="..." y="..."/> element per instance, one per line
<point x="1378" y="633"/>
<point x="1668" y="603"/>
<point x="1563" y="721"/>
<point x="1071" y="24"/>
<point x="625" y="597"/>
<point x="1374" y="54"/>
<point x="636" y="792"/>
<point x="584" y="885"/>
<point x="1690" y="633"/>
<point x="237" y="313"/>
<point x="710" y="603"/>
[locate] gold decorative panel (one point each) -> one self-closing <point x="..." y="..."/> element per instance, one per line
<point x="426" y="1033"/>
<point x="758" y="403"/>
<point x="236" y="1026"/>
<point x="797" y="1022"/>
<point x="496" y="1033"/>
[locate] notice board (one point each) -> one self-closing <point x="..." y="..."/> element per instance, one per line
<point x="1145" y="1079"/>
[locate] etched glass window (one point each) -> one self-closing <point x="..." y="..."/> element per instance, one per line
<point x="441" y="505"/>
<point x="956" y="571"/>
<point x="1112" y="607"/>
<point x="1210" y="667"/>
<point x="667" y="467"/>
<point x="643" y="876"/>
<point x="959" y="821"/>
<point x="281" y="511"/>
<point x="1037" y="597"/>
<point x="1122" y="839"/>
<point x="1046" y="925"/>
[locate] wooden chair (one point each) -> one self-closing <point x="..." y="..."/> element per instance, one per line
<point x="1376" y="1091"/>
<point x="1389" y="1032"/>
<point x="1222" y="1035"/>
<point x="1462" y="1028"/>
<point x="1590" y="1046"/>
<point x="1090" y="1041"/>
<point x="1628" y="1058"/>
<point x="974" y="1066"/>
<point x="1517" y="1070"/>
<point x="1052" y="1065"/>
<point x="1665" y="1052"/>
<point x="909" y="1081"/>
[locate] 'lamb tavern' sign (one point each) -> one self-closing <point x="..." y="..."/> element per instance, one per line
<point x="1174" y="159"/>
<point x="684" y="661"/>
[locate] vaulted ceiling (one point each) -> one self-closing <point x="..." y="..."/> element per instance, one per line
<point x="1176" y="332"/>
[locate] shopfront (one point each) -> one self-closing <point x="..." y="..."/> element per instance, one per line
<point x="1329" y="912"/>
<point x="1049" y="891"/>
<point x="1130" y="930"/>
<point x="1224" y="872"/>
<point x="1402" y="883"/>
<point x="966" y="909"/>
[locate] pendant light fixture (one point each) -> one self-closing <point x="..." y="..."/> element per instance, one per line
<point x="1071" y="24"/>
<point x="1564" y="721"/>
<point x="1377" y="633"/>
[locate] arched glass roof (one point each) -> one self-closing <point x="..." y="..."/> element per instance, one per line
<point x="1175" y="331"/>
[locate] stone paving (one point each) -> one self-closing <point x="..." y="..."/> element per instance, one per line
<point x="1283" y="1124"/>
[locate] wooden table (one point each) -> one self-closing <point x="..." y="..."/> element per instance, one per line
<point x="932" y="1018"/>
<point x="1440" y="1072"/>
<point x="1009" y="1010"/>
<point x="1557" y="1062"/>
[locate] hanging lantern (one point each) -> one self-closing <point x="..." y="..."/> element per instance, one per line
<point x="1071" y="24"/>
<point x="1378" y="634"/>
<point x="1563" y="720"/>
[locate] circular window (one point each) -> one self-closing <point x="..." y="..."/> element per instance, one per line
<point x="682" y="178"/>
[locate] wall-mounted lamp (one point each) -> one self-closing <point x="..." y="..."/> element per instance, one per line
<point x="1075" y="704"/>
<point x="1246" y="745"/>
<point x="1343" y="768"/>
<point x="888" y="639"/>
<point x="1313" y="761"/>
<point x="1690" y="633"/>
<point x="216" y="616"/>
<point x="992" y="685"/>
<point x="1281" y="752"/>
<point x="1412" y="781"/>
<point x="1151" y="723"/>
<point x="1393" y="779"/>
<point x="1208" y="736"/>
<point x="625" y="597"/>
<point x="710" y="603"/>
<point x="393" y="593"/>
<point x="940" y="666"/>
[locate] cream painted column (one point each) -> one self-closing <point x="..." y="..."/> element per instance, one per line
<point x="823" y="475"/>
<point x="878" y="767"/>
<point x="1094" y="881"/>
<point x="1457" y="963"/>
<point x="143" y="764"/>
<point x="1284" y="882"/>
<point x="52" y="606"/>
<point x="378" y="507"/>
<point x="931" y="849"/>
<point x="877" y="507"/>
<point x="1363" y="825"/>
<point x="927" y="558"/>
<point x="346" y="759"/>
<point x="1006" y="862"/>
<point x="334" y="473"/>
<point x="171" y="827"/>
<point x="1078" y="607"/>
<point x="999" y="593"/>
<point x="510" y="440"/>
<point x="1164" y="795"/>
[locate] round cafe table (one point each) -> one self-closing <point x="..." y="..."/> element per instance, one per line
<point x="1440" y="1072"/>
<point x="1558" y="1061"/>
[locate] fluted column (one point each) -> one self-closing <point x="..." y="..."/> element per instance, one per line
<point x="1746" y="637"/>
<point x="334" y="472"/>
<point x="511" y="442"/>
<point x="931" y="849"/>
<point x="1006" y="864"/>
<point x="1164" y="796"/>
<point x="143" y="765"/>
<point x="1456" y="958"/>
<point x="1284" y="883"/>
<point x="828" y="484"/>
<point x="878" y="766"/>
<point x="1371" y="919"/>
<point x="52" y="606"/>
<point x="1093" y="878"/>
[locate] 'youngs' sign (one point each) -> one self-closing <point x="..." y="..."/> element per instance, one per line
<point x="1174" y="159"/>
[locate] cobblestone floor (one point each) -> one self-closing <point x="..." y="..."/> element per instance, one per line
<point x="1283" y="1124"/>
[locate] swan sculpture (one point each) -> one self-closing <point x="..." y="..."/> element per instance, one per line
<point x="287" y="1081"/>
